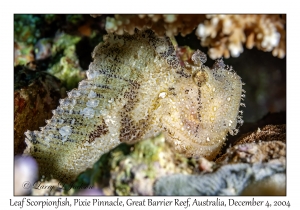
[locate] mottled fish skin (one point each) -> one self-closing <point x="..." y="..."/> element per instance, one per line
<point x="135" y="89"/>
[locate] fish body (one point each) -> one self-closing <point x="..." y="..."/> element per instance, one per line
<point x="135" y="89"/>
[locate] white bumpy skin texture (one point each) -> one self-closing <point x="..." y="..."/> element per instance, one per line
<point x="136" y="88"/>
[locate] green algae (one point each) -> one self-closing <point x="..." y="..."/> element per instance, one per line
<point x="65" y="64"/>
<point x="132" y="169"/>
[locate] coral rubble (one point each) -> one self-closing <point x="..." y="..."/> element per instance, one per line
<point x="170" y="24"/>
<point x="132" y="169"/>
<point x="225" y="35"/>
<point x="261" y="145"/>
<point x="256" y="165"/>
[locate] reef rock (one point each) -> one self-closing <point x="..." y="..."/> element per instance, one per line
<point x="132" y="169"/>
<point x="255" y="165"/>
<point x="262" y="145"/>
<point x="35" y="95"/>
<point x="229" y="179"/>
